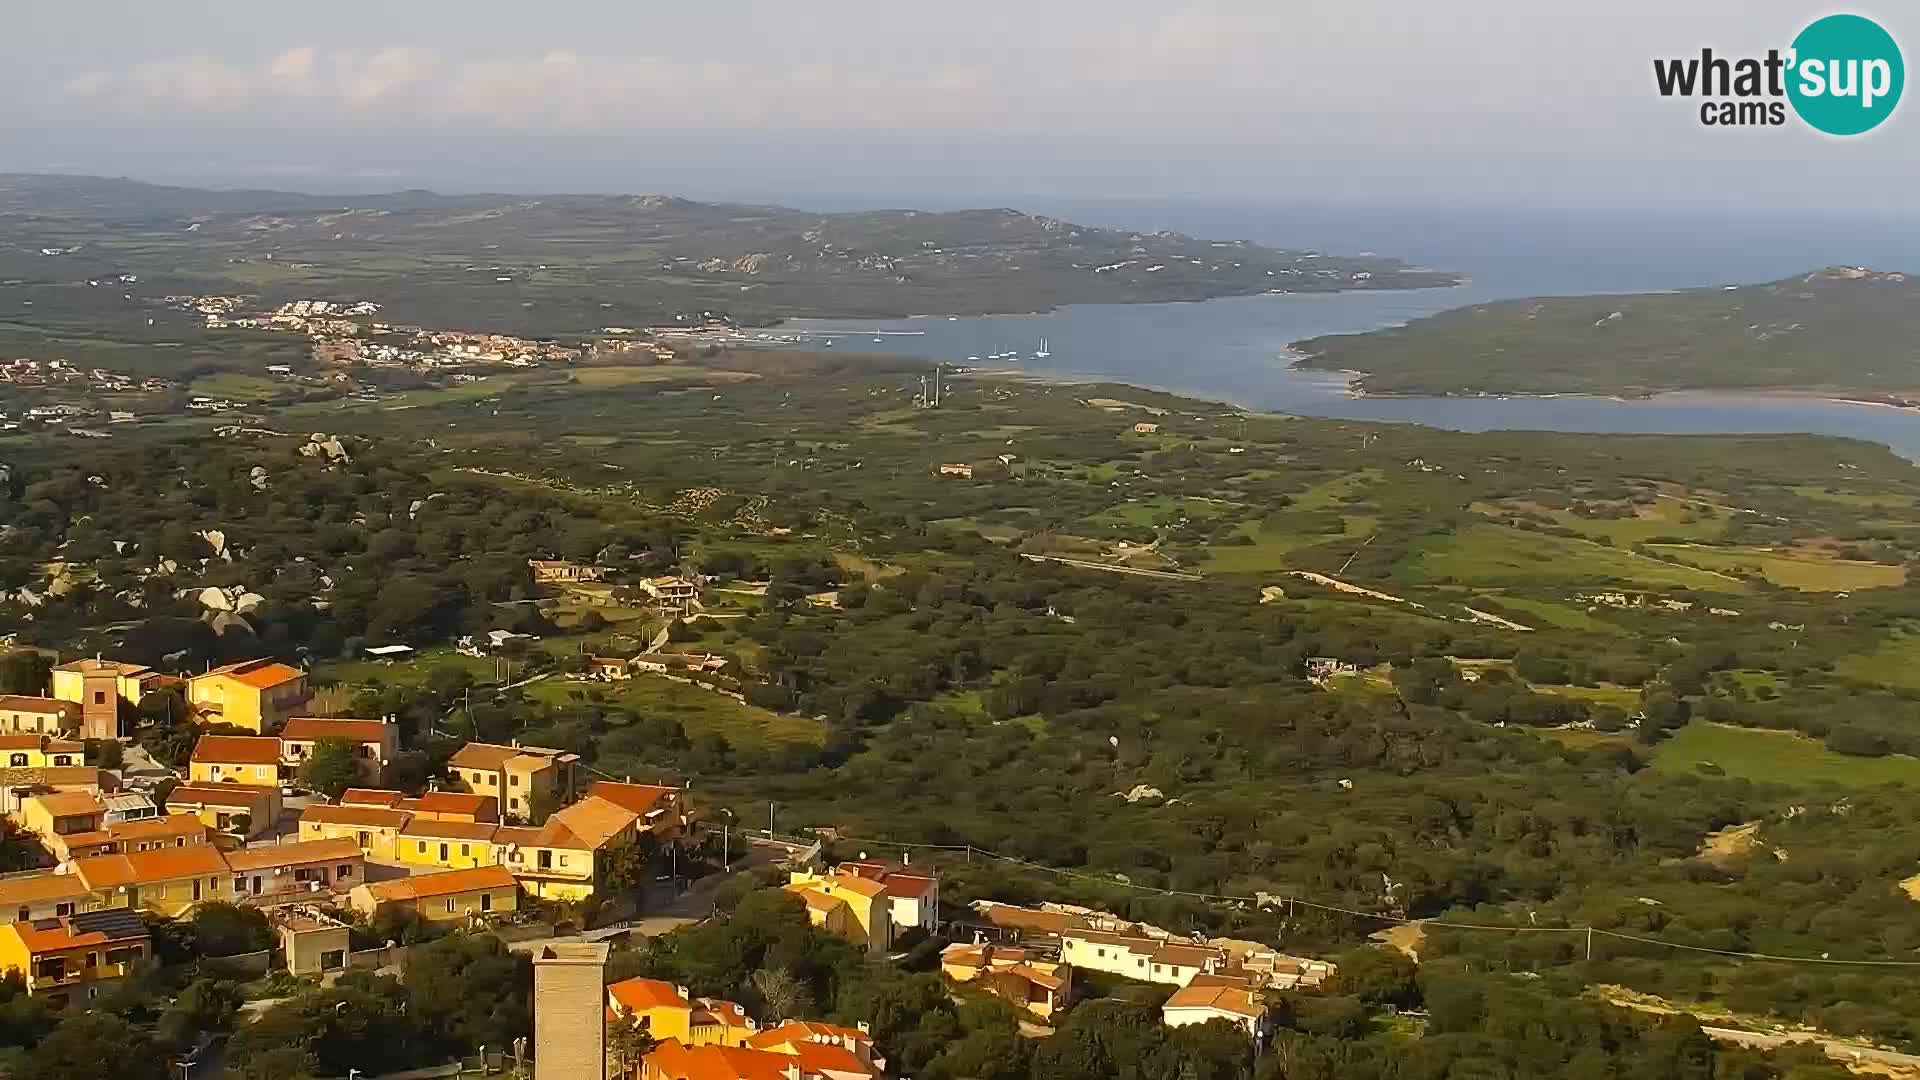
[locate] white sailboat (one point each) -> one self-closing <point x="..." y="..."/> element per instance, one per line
<point x="1042" y="352"/>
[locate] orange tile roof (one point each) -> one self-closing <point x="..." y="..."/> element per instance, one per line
<point x="93" y="666"/>
<point x="149" y="867"/>
<point x="426" y="829"/>
<point x="359" y="796"/>
<point x="168" y="864"/>
<point x="639" y="994"/>
<point x="817" y="1058"/>
<point x="360" y="817"/>
<point x="449" y="883"/>
<point x="857" y="885"/>
<point x="21" y="741"/>
<point x="71" y="803"/>
<point x="807" y="1029"/>
<point x="38" y="888"/>
<point x="158" y="828"/>
<point x="259" y="674"/>
<point x="456" y="802"/>
<point x="673" y="1061"/>
<point x="327" y="727"/>
<point x="594" y="820"/>
<point x="1233" y="999"/>
<point x="1183" y="955"/>
<point x="488" y="757"/>
<point x="294" y="854"/>
<point x="639" y="798"/>
<point x="243" y="795"/>
<point x="815" y="899"/>
<point x="237" y="750"/>
<point x="42" y="705"/>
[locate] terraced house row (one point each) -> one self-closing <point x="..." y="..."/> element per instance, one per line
<point x="566" y="857"/>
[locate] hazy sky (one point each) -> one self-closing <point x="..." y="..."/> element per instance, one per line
<point x="1542" y="101"/>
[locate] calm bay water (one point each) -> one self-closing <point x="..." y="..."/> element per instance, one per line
<point x="1236" y="349"/>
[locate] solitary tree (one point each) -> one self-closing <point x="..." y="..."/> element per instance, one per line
<point x="330" y="770"/>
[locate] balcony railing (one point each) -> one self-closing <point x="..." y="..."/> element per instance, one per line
<point x="75" y="975"/>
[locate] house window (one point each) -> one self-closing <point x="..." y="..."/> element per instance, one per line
<point x="514" y="780"/>
<point x="465" y="851"/>
<point x="449" y="905"/>
<point x="196" y="888"/>
<point x="25" y="914"/>
<point x="365" y="840"/>
<point x="423" y="847"/>
<point x="63" y="759"/>
<point x="18" y="761"/>
<point x="99" y="697"/>
<point x="343" y="871"/>
<point x="93" y="960"/>
<point x="563" y="860"/>
<point x="1100" y="952"/>
<point x="443" y="852"/>
<point x="514" y="803"/>
<point x="546" y="860"/>
<point x="486" y="901"/>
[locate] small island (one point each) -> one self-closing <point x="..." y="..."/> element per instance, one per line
<point x="1841" y="331"/>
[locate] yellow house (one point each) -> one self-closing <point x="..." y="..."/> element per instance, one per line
<point x="55" y="816"/>
<point x="562" y="859"/>
<point x="666" y="1012"/>
<point x="868" y="919"/>
<point x="42" y="895"/>
<point x="38" y="715"/>
<point x="258" y="695"/>
<point x="235" y="759"/>
<point x="222" y="806"/>
<point x="168" y="881"/>
<point x="29" y="751"/>
<point x="516" y="775"/>
<point x="99" y="687"/>
<point x="454" y="896"/>
<point x="307" y="867"/>
<point x="456" y="845"/>
<point x="374" y="742"/>
<point x="1040" y="986"/>
<point x="376" y="830"/>
<point x="73" y="958"/>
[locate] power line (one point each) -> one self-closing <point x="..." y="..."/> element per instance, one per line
<point x="1293" y="901"/>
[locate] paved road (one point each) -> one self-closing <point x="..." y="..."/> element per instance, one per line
<point x="1839" y="1051"/>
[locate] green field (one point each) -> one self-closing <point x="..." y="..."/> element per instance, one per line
<point x="1626" y="698"/>
<point x="1777" y="757"/>
<point x="1565" y="616"/>
<point x="1895" y="663"/>
<point x="1273" y="542"/>
<point x="1666" y="517"/>
<point x="1807" y="572"/>
<point x="698" y="711"/>
<point x="1495" y="554"/>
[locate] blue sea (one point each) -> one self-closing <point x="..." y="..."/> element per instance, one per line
<point x="1236" y="350"/>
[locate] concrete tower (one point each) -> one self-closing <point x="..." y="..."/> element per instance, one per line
<point x="569" y="1012"/>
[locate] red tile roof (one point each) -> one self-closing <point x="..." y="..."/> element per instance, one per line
<point x="237" y="750"/>
<point x="455" y="802"/>
<point x="259" y="674"/>
<point x="638" y="798"/>
<point x="638" y="994"/>
<point x="449" y="883"/>
<point x="297" y="853"/>
<point x="323" y="727"/>
<point x="358" y="817"/>
<point x="358" y="796"/>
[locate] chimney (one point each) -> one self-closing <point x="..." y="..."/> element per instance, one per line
<point x="906" y="858"/>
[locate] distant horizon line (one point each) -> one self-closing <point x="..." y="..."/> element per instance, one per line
<point x="348" y="186"/>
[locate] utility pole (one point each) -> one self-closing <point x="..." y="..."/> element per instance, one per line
<point x="769" y="819"/>
<point x="1589" y="942"/>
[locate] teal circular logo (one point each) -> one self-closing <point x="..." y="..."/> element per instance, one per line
<point x="1846" y="75"/>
